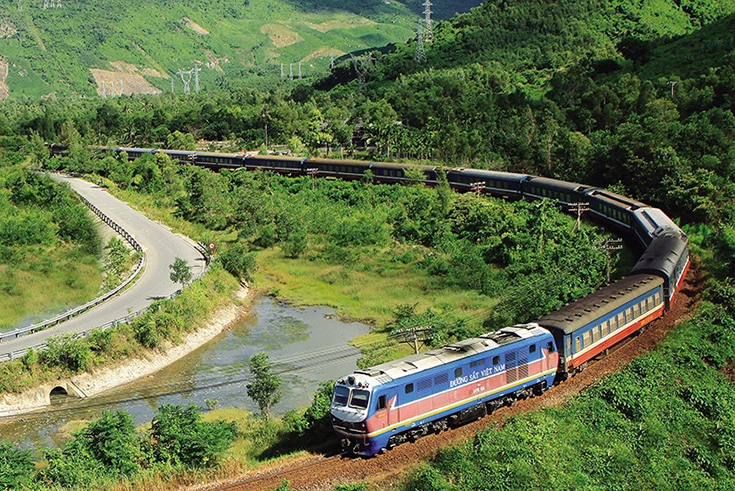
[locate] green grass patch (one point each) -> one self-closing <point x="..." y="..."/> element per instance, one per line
<point x="370" y="293"/>
<point x="46" y="282"/>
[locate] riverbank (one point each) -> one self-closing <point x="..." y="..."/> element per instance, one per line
<point x="97" y="381"/>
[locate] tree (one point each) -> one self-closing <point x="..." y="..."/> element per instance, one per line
<point x="181" y="141"/>
<point x="265" y="386"/>
<point x="180" y="272"/>
<point x="239" y="262"/>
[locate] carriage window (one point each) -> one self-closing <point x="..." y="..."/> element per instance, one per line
<point x="496" y="360"/>
<point x="586" y="338"/>
<point x="532" y="348"/>
<point x="381" y="403"/>
<point x="569" y="345"/>
<point x="458" y="372"/>
<point x="409" y="388"/>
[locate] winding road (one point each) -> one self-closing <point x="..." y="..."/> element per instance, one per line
<point x="160" y="247"/>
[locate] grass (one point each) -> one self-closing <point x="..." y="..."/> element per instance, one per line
<point x="370" y="293"/>
<point x="46" y="282"/>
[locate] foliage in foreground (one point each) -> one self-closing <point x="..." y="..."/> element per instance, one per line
<point x="178" y="443"/>
<point x="110" y="449"/>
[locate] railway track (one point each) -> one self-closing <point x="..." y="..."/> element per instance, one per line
<point x="317" y="472"/>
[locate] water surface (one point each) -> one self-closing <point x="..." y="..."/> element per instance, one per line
<point x="306" y="345"/>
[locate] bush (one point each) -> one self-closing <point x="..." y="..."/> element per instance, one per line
<point x="180" y="437"/>
<point x="68" y="352"/>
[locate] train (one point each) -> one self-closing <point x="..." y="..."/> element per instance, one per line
<point x="376" y="408"/>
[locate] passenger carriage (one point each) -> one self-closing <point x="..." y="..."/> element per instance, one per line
<point x="276" y="163"/>
<point x="668" y="257"/>
<point x="504" y="184"/>
<point x="649" y="223"/>
<point x="587" y="327"/>
<point x="612" y="209"/>
<point x="562" y="192"/>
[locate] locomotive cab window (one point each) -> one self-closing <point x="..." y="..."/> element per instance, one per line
<point x="359" y="399"/>
<point x="341" y="395"/>
<point x="496" y="360"/>
<point x="550" y="347"/>
<point x="458" y="372"/>
<point x="381" y="403"/>
<point x="409" y="388"/>
<point x="532" y="348"/>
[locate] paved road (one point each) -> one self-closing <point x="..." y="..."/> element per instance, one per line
<point x="161" y="247"/>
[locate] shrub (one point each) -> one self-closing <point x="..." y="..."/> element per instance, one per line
<point x="180" y="437"/>
<point x="69" y="352"/>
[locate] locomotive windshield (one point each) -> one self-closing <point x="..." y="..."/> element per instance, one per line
<point x="341" y="395"/>
<point x="359" y="398"/>
<point x="355" y="398"/>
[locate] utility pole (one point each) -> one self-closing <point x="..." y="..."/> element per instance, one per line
<point x="609" y="245"/>
<point x="290" y="71"/>
<point x="282" y="74"/>
<point x="477" y="187"/>
<point x="672" y="84"/>
<point x="578" y="208"/>
<point x="313" y="171"/>
<point x="20" y="6"/>
<point x="299" y="70"/>
<point x="413" y="335"/>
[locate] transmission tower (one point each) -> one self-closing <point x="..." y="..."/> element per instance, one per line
<point x="196" y="71"/>
<point x="362" y="65"/>
<point x="420" y="56"/>
<point x="186" y="80"/>
<point x="429" y="36"/>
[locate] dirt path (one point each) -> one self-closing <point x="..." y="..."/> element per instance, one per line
<point x="317" y="472"/>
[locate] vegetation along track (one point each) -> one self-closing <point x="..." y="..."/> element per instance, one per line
<point x="318" y="471"/>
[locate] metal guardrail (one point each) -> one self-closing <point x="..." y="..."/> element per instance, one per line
<point x="23" y="331"/>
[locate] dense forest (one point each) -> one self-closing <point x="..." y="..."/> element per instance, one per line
<point x="635" y="96"/>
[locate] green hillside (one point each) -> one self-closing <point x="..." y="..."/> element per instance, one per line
<point x="114" y="46"/>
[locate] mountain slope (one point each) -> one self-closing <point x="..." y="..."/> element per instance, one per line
<point x="137" y="46"/>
